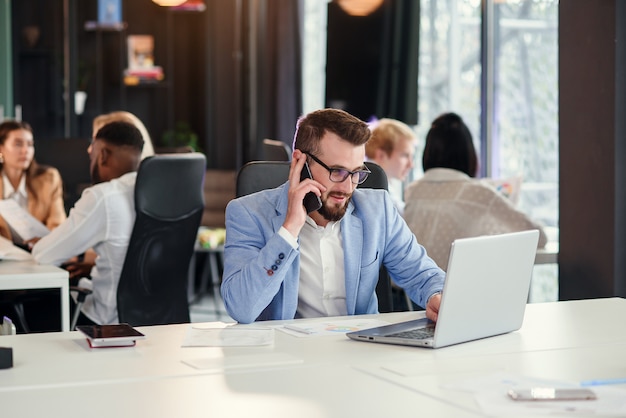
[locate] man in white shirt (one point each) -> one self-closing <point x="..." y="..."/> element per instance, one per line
<point x="101" y="219"/>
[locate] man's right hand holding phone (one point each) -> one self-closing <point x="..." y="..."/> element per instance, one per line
<point x="298" y="189"/>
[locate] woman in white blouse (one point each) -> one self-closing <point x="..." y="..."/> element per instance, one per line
<point x="37" y="189"/>
<point x="448" y="202"/>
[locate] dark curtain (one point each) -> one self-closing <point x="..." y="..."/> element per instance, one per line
<point x="273" y="72"/>
<point x="372" y="61"/>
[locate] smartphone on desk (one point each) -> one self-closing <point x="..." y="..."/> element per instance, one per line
<point x="311" y="201"/>
<point x="116" y="335"/>
<point x="551" y="394"/>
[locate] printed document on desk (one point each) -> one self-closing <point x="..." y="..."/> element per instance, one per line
<point x="21" y="221"/>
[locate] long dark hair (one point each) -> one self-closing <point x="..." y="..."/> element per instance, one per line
<point x="449" y="144"/>
<point x="34" y="169"/>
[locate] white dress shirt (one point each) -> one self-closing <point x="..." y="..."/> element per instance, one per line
<point x="20" y="196"/>
<point x="447" y="204"/>
<point x="101" y="219"/>
<point x="322" y="288"/>
<point x="322" y="285"/>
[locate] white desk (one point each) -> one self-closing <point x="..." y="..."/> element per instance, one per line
<point x="24" y="275"/>
<point x="56" y="374"/>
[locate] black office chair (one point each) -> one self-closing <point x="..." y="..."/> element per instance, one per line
<point x="260" y="175"/>
<point x="168" y="203"/>
<point x="276" y="150"/>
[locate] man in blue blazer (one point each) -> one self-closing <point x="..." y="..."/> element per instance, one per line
<point x="281" y="262"/>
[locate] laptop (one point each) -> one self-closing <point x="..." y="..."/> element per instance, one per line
<point x="485" y="294"/>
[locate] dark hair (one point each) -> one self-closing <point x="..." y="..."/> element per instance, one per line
<point x="9" y="126"/>
<point x="449" y="145"/>
<point x="121" y="134"/>
<point x="34" y="169"/>
<point x="311" y="128"/>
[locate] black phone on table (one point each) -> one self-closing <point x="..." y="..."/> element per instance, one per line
<point x="311" y="201"/>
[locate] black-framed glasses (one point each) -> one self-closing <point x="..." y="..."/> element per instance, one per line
<point x="338" y="175"/>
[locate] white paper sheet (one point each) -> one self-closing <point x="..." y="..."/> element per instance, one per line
<point x="318" y="329"/>
<point x="21" y="221"/>
<point x="230" y="336"/>
<point x="263" y="360"/>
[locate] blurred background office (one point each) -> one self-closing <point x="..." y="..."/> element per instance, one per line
<point x="540" y="84"/>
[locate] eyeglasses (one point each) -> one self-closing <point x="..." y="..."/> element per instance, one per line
<point x="338" y="175"/>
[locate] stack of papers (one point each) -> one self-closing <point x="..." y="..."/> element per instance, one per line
<point x="22" y="222"/>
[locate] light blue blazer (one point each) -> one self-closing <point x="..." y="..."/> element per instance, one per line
<point x="261" y="269"/>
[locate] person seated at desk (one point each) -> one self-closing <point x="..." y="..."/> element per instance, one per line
<point x="281" y="263"/>
<point x="448" y="202"/>
<point x="392" y="146"/>
<point x="36" y="188"/>
<point x="101" y="219"/>
<point x="81" y="266"/>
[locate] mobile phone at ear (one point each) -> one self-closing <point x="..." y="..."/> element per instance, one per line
<point x="311" y="201"/>
<point x="551" y="394"/>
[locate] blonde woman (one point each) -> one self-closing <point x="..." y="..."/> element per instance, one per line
<point x="36" y="188"/>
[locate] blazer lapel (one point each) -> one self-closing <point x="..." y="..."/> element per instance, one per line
<point x="352" y="234"/>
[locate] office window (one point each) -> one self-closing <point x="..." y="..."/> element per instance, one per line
<point x="521" y="95"/>
<point x="520" y="138"/>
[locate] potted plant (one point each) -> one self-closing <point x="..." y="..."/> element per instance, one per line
<point x="80" y="95"/>
<point x="180" y="139"/>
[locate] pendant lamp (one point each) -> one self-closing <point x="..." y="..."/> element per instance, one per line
<point x="169" y="2"/>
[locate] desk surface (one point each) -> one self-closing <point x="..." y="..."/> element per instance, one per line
<point x="24" y="275"/>
<point x="332" y="375"/>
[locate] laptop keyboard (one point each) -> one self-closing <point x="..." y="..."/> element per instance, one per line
<point x="416" y="334"/>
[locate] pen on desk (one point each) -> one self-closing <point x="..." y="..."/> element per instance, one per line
<point x="297" y="329"/>
<point x="601" y="382"/>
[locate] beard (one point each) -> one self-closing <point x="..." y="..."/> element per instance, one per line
<point x="95" y="175"/>
<point x="334" y="213"/>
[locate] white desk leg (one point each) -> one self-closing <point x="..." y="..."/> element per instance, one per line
<point x="65" y="306"/>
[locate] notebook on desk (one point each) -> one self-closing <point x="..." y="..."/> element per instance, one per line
<point x="485" y="294"/>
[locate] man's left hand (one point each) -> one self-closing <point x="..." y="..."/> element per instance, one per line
<point x="432" y="307"/>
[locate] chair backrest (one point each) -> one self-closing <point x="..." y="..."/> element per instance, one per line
<point x="276" y="150"/>
<point x="168" y="203"/>
<point x="261" y="175"/>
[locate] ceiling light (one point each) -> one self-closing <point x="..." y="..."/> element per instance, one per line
<point x="169" y="2"/>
